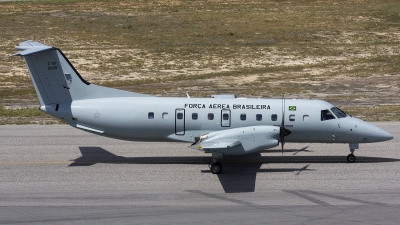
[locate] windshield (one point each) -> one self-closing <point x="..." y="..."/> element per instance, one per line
<point x="338" y="112"/>
<point x="326" y="115"/>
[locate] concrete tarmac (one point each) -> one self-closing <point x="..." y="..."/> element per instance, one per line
<point x="60" y="175"/>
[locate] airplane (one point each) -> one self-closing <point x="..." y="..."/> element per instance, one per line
<point x="222" y="125"/>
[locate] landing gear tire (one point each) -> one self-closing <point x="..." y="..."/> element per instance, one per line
<point x="216" y="168"/>
<point x="351" y="158"/>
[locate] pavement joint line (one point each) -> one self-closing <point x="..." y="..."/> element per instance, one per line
<point x="309" y="198"/>
<point x="345" y="198"/>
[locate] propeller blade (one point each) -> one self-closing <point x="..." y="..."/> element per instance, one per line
<point x="282" y="128"/>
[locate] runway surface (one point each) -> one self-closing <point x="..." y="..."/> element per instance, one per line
<point x="60" y="175"/>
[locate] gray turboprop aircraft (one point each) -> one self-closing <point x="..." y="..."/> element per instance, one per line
<point x="221" y="125"/>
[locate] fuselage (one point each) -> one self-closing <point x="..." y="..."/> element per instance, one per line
<point x="186" y="119"/>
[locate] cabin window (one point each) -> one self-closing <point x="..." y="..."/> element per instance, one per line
<point x="195" y="116"/>
<point x="179" y="116"/>
<point x="210" y="116"/>
<point x="243" y="116"/>
<point x="225" y="116"/>
<point x="274" y="117"/>
<point x="292" y="117"/>
<point x="306" y="118"/>
<point x="165" y="116"/>
<point x="151" y="115"/>
<point x="258" y="117"/>
<point x="326" y="115"/>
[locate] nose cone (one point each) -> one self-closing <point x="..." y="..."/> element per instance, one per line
<point x="384" y="135"/>
<point x="372" y="133"/>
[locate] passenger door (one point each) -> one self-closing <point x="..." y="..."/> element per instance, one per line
<point x="179" y="121"/>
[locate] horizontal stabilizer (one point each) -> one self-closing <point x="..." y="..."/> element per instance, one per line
<point x="87" y="128"/>
<point x="31" y="47"/>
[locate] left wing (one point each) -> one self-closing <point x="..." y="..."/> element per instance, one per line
<point x="239" y="141"/>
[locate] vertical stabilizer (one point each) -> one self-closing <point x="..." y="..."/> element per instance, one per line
<point x="55" y="79"/>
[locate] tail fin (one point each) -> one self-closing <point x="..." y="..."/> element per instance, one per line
<point x="56" y="80"/>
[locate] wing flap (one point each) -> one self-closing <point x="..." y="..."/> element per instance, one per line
<point x="218" y="144"/>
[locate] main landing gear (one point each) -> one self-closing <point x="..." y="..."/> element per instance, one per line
<point x="216" y="167"/>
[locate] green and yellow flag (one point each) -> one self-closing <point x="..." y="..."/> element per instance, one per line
<point x="292" y="108"/>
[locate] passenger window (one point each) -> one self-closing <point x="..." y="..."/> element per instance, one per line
<point x="195" y="116"/>
<point x="274" y="117"/>
<point x="165" y="116"/>
<point x="258" y="117"/>
<point x="225" y="116"/>
<point x="326" y="115"/>
<point x="243" y="116"/>
<point x="179" y="116"/>
<point x="210" y="116"/>
<point x="306" y="118"/>
<point x="292" y="117"/>
<point x="151" y="115"/>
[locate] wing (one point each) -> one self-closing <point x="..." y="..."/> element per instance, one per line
<point x="239" y="141"/>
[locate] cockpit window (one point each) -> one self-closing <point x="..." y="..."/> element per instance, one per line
<point x="326" y="115"/>
<point x="338" y="112"/>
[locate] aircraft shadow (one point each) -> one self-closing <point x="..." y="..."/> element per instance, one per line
<point x="94" y="155"/>
<point x="239" y="173"/>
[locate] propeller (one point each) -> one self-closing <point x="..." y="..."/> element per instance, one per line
<point x="282" y="130"/>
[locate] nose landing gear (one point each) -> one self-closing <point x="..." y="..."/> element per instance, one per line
<point x="351" y="158"/>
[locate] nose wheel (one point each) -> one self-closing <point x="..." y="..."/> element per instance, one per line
<point x="351" y="158"/>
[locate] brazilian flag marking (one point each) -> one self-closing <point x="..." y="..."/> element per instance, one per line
<point x="292" y="108"/>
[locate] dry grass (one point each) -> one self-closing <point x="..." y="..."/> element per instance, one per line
<point x="346" y="53"/>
